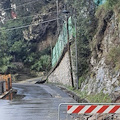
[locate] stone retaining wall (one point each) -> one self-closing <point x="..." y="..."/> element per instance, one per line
<point x="62" y="73"/>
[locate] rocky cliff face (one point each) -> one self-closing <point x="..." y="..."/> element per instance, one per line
<point x="44" y="34"/>
<point x="105" y="69"/>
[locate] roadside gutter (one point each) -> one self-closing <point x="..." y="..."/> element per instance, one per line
<point x="73" y="94"/>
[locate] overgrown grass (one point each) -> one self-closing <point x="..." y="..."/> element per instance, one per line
<point x="113" y="58"/>
<point x="101" y="11"/>
<point x="99" y="98"/>
<point x="92" y="98"/>
<point x="81" y="80"/>
<point x="107" y="6"/>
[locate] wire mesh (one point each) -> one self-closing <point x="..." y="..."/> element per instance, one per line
<point x="62" y="41"/>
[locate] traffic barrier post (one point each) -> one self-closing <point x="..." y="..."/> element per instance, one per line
<point x="83" y="111"/>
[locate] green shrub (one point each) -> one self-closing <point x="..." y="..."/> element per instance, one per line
<point x="99" y="98"/>
<point x="43" y="64"/>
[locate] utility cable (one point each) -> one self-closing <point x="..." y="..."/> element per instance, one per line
<point x="3" y="2"/>
<point x="27" y="16"/>
<point x="21" y="5"/>
<point x="25" y="26"/>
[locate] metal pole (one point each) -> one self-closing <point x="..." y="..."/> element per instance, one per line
<point x="59" y="111"/>
<point x="96" y="116"/>
<point x="57" y="4"/>
<point x="51" y="47"/>
<point x="69" y="53"/>
<point x="76" y="53"/>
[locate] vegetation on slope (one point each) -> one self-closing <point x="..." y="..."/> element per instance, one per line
<point x="113" y="58"/>
<point x="86" y="26"/>
<point x="14" y="48"/>
<point x="92" y="20"/>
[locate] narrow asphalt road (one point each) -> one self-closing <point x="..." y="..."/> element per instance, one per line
<point x="34" y="102"/>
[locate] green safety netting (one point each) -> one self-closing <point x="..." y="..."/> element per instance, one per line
<point x="100" y="2"/>
<point x="62" y="41"/>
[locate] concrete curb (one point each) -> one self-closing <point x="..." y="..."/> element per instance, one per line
<point x="72" y="94"/>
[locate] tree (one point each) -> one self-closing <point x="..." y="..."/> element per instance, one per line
<point x="4" y="53"/>
<point x="86" y="25"/>
<point x="43" y="64"/>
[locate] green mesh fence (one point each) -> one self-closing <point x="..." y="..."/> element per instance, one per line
<point x="62" y="41"/>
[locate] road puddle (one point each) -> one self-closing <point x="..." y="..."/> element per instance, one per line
<point x="13" y="96"/>
<point x="9" y="96"/>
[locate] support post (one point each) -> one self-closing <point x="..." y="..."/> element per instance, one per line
<point x="76" y="52"/>
<point x="57" y="4"/>
<point x="69" y="53"/>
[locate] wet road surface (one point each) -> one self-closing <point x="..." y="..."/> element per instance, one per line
<point x="34" y="102"/>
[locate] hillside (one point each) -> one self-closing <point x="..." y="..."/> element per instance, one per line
<point x="102" y="75"/>
<point x="30" y="45"/>
<point x="29" y="33"/>
<point x="98" y="51"/>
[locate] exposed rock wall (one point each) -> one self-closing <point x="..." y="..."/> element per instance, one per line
<point x="104" y="76"/>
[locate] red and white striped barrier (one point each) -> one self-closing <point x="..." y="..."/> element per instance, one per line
<point x="81" y="109"/>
